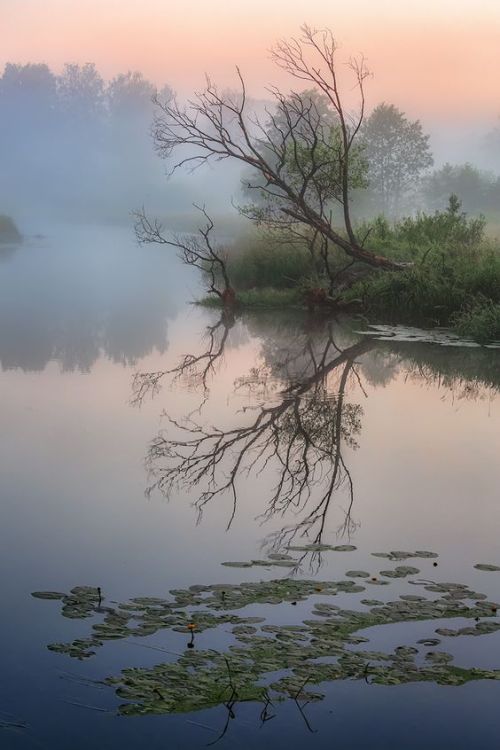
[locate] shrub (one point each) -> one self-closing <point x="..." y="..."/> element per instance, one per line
<point x="430" y="293"/>
<point x="450" y="232"/>
<point x="479" y="320"/>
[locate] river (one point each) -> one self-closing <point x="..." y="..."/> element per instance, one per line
<point x="126" y="410"/>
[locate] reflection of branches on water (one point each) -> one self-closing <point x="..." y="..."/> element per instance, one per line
<point x="456" y="387"/>
<point x="194" y="369"/>
<point x="461" y="373"/>
<point x="301" y="434"/>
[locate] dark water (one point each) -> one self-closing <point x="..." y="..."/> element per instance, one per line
<point x="407" y="434"/>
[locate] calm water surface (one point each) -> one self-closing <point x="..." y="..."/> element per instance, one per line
<point x="401" y="442"/>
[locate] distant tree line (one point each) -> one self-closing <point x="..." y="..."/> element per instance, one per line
<point x="399" y="181"/>
<point x="78" y="146"/>
<point x="73" y="142"/>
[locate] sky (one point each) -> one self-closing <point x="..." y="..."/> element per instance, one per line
<point x="435" y="59"/>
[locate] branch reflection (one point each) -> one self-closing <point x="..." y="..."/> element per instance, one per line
<point x="298" y="431"/>
<point x="299" y="424"/>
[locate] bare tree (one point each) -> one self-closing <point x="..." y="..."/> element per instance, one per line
<point x="201" y="252"/>
<point x="301" y="164"/>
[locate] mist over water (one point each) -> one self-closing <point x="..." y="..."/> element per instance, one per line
<point x="153" y="447"/>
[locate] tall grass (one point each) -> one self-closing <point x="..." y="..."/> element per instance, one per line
<point x="479" y="321"/>
<point x="267" y="259"/>
<point x="431" y="292"/>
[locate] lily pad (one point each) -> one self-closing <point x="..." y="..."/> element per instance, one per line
<point x="357" y="574"/>
<point x="48" y="595"/>
<point x="400" y="572"/>
<point x="317" y="650"/>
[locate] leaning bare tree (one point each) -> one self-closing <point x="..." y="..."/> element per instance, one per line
<point x="301" y="164"/>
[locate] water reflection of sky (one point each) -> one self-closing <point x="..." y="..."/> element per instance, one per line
<point x="72" y="333"/>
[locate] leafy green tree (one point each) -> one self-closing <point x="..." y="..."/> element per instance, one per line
<point x="312" y="141"/>
<point x="397" y="152"/>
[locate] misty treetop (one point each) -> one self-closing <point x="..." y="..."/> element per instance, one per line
<point x="479" y="191"/>
<point x="76" y="144"/>
<point x="397" y="153"/>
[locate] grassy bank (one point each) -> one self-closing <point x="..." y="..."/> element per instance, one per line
<point x="265" y="298"/>
<point x="453" y="277"/>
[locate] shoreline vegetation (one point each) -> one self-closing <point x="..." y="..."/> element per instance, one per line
<point x="311" y="169"/>
<point x="452" y="279"/>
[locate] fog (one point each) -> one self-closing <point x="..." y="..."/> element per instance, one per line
<point x="78" y="148"/>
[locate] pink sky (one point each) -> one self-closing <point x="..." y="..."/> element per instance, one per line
<point x="432" y="58"/>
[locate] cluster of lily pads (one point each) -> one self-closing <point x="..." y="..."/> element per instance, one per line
<point x="267" y="661"/>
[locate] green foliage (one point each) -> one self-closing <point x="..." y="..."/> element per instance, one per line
<point x="329" y="154"/>
<point x="8" y="230"/>
<point x="449" y="232"/>
<point x="265" y="297"/>
<point x="454" y="277"/>
<point x="433" y="292"/>
<point x="304" y="142"/>
<point x="265" y="260"/>
<point x="479" y="320"/>
<point x="269" y="297"/>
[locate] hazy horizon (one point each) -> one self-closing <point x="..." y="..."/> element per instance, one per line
<point x="435" y="61"/>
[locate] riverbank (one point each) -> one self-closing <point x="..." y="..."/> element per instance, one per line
<point x="452" y="277"/>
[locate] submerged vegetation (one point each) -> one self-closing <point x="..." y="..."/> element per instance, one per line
<point x="268" y="662"/>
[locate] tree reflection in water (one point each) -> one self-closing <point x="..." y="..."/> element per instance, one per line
<point x="194" y="369"/>
<point x="301" y="419"/>
<point x="297" y="430"/>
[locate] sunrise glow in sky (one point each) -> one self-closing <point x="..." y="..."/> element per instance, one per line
<point x="432" y="58"/>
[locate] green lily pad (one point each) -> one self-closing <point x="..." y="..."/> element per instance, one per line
<point x="357" y="574"/>
<point x="317" y="650"/>
<point x="429" y="641"/>
<point x="400" y="572"/>
<point x="48" y="595"/>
